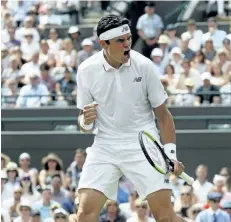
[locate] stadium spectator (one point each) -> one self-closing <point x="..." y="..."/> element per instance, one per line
<point x="226" y="92"/>
<point x="219" y="183"/>
<point x="141" y="213"/>
<point x="44" y="54"/>
<point x="55" y="43"/>
<point x="6" y="193"/>
<point x="5" y="216"/>
<point x="46" y="78"/>
<point x="224" y="61"/>
<point x="201" y="186"/>
<point x="74" y="34"/>
<point x="69" y="204"/>
<point x="12" y="41"/>
<point x="24" y="212"/>
<point x="25" y="169"/>
<point x="86" y="52"/>
<point x="12" y="174"/>
<point x="5" y="57"/>
<point x="35" y="216"/>
<point x="214" y="33"/>
<point x="199" y="62"/>
<point x="171" y="77"/>
<point x="176" y="56"/>
<point x="188" y="72"/>
<point x="4" y="161"/>
<point x="149" y="28"/>
<point x="203" y="98"/>
<point x="43" y="206"/>
<point x="208" y="49"/>
<point x="33" y="94"/>
<point x="112" y="212"/>
<point x="218" y="79"/>
<point x="157" y="56"/>
<point x="75" y="168"/>
<point x="176" y="185"/>
<point x="59" y="194"/>
<point x="60" y="215"/>
<point x="73" y="217"/>
<point x="174" y="41"/>
<point x="213" y="213"/>
<point x="227" y="46"/>
<point x="52" y="165"/>
<point x="226" y="206"/>
<point x="194" y="210"/>
<point x="95" y="39"/>
<point x="187" y="52"/>
<point x="195" y="35"/>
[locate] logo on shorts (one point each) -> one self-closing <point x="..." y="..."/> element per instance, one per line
<point x="137" y="79"/>
<point x="125" y="28"/>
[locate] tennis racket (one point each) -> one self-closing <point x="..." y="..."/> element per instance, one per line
<point x="156" y="156"/>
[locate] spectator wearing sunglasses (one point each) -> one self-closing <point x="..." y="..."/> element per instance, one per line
<point x="24" y="212"/>
<point x="141" y="212"/>
<point x="213" y="213"/>
<point x="35" y="216"/>
<point x="60" y="215"/>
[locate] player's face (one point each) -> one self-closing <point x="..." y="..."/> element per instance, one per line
<point x="119" y="48"/>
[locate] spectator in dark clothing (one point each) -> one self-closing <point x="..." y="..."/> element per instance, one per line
<point x="188" y="53"/>
<point x="69" y="204"/>
<point x="207" y="87"/>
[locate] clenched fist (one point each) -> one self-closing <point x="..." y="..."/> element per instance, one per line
<point x="89" y="113"/>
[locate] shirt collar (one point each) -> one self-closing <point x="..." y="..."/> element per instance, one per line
<point x="212" y="212"/>
<point x="107" y="66"/>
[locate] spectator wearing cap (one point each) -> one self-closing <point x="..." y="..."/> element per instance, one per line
<point x="174" y="41"/>
<point x="60" y="215"/>
<point x="141" y="212"/>
<point x="24" y="211"/>
<point x="195" y="35"/>
<point x="157" y="56"/>
<point x="4" y="161"/>
<point x="86" y="52"/>
<point x="164" y="46"/>
<point x="208" y="98"/>
<point x="11" y="204"/>
<point x="33" y="94"/>
<point x="188" y="53"/>
<point x="226" y="206"/>
<point x="67" y="56"/>
<point x="69" y="204"/>
<point x="129" y="208"/>
<point x="46" y="78"/>
<point x="112" y="212"/>
<point x="208" y="49"/>
<point x="219" y="183"/>
<point x="224" y="61"/>
<point x="74" y="34"/>
<point x="218" y="79"/>
<point x="75" y="169"/>
<point x="12" y="41"/>
<point x="66" y="85"/>
<point x="25" y="169"/>
<point x="35" y="216"/>
<point x="6" y="193"/>
<point x="10" y="93"/>
<point x="213" y="213"/>
<point x="55" y="43"/>
<point x="214" y="33"/>
<point x="200" y="63"/>
<point x="226" y="92"/>
<point x="52" y="165"/>
<point x="29" y="46"/>
<point x="27" y="24"/>
<point x="29" y="192"/>
<point x="188" y="72"/>
<point x="44" y="54"/>
<point x="149" y="28"/>
<point x="59" y="194"/>
<point x="44" y="205"/>
<point x="186" y="97"/>
<point x="13" y="176"/>
<point x="176" y="56"/>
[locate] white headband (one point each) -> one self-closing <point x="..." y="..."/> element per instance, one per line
<point x="112" y="33"/>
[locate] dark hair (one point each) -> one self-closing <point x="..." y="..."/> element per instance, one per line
<point x="200" y="52"/>
<point x="44" y="67"/>
<point x="110" y="22"/>
<point x="186" y="61"/>
<point x="31" y="191"/>
<point x="56" y="175"/>
<point x="172" y="68"/>
<point x="81" y="150"/>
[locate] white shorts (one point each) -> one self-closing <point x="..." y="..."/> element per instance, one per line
<point x="105" y="164"/>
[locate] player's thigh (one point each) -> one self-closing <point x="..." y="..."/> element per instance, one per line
<point x="160" y="204"/>
<point x="91" y="201"/>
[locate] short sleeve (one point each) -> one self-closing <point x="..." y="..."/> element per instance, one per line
<point x="160" y="23"/>
<point x="84" y="96"/>
<point x="155" y="90"/>
<point x="139" y="23"/>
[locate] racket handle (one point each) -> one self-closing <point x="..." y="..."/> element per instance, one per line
<point x="187" y="178"/>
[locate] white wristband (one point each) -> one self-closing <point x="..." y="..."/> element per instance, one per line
<point x="81" y="122"/>
<point x="170" y="150"/>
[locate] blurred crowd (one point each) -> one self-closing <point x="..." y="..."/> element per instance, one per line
<point x="40" y="69"/>
<point x="50" y="193"/>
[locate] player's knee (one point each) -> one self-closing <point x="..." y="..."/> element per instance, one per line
<point x="164" y="215"/>
<point x="86" y="214"/>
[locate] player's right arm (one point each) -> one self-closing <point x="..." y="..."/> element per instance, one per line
<point x="85" y="103"/>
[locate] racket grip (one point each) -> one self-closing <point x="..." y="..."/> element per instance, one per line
<point x="187" y="178"/>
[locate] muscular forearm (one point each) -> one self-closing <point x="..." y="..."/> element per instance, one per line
<point x="82" y="129"/>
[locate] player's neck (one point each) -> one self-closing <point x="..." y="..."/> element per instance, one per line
<point x="111" y="61"/>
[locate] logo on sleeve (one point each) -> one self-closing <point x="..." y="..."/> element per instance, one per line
<point x="137" y="79"/>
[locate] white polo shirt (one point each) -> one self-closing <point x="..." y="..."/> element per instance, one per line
<point x="126" y="96"/>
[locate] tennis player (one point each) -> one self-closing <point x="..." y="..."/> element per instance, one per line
<point x="118" y="90"/>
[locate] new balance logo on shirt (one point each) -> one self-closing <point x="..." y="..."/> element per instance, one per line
<point x="137" y="79"/>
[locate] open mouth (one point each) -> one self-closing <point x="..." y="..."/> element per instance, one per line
<point x="127" y="54"/>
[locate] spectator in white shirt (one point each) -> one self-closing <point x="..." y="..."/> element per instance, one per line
<point x="224" y="61"/>
<point x="214" y="33"/>
<point x="188" y="53"/>
<point x="44" y="52"/>
<point x="200" y="63"/>
<point x="5" y="58"/>
<point x="25" y="211"/>
<point x="208" y="50"/>
<point x="176" y="56"/>
<point x="74" y="34"/>
<point x="33" y="94"/>
<point x="20" y="11"/>
<point x="29" y="46"/>
<point x="164" y="42"/>
<point x="226" y="92"/>
<point x="201" y="186"/>
<point x="6" y="193"/>
<point x="195" y="35"/>
<point x="227" y="46"/>
<point x="156" y="57"/>
<point x="55" y="44"/>
<point x="28" y="24"/>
